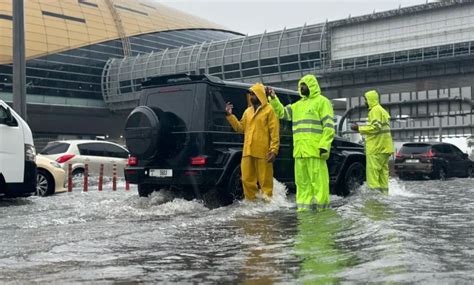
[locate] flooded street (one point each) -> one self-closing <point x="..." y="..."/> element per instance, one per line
<point x="421" y="232"/>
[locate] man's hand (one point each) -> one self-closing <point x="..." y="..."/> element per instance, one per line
<point x="355" y="127"/>
<point x="271" y="157"/>
<point x="228" y="108"/>
<point x="270" y="92"/>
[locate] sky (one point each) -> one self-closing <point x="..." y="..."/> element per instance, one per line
<point x="254" y="17"/>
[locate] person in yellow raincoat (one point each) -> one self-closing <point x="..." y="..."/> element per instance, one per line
<point x="312" y="118"/>
<point x="378" y="143"/>
<point x="261" y="130"/>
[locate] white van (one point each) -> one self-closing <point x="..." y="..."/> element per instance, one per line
<point x="17" y="155"/>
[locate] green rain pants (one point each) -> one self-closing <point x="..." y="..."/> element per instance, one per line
<point x="312" y="183"/>
<point x="377" y="171"/>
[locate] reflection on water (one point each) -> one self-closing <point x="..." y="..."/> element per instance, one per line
<point x="315" y="244"/>
<point x="420" y="232"/>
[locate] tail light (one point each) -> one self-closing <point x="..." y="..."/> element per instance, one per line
<point x="399" y="155"/>
<point x="132" y="161"/>
<point x="199" y="160"/>
<point x="429" y="154"/>
<point x="64" y="158"/>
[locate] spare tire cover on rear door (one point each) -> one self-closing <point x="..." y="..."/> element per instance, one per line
<point x="142" y="132"/>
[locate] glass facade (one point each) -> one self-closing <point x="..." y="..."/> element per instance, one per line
<point x="69" y="42"/>
<point x="77" y="73"/>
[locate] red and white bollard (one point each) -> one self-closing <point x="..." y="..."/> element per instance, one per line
<point x="86" y="177"/>
<point x="69" y="178"/>
<point x="101" y="177"/>
<point x="114" y="178"/>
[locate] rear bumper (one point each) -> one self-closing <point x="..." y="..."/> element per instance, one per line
<point x="28" y="186"/>
<point x="181" y="177"/>
<point x="413" y="168"/>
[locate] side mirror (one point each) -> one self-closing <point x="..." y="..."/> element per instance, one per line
<point x="10" y="120"/>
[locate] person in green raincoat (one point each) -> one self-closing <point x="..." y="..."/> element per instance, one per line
<point x="378" y="143"/>
<point x="312" y="118"/>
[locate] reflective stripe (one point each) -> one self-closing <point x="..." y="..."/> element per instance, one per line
<point x="307" y="130"/>
<point x="383" y="190"/>
<point x="309" y="121"/>
<point x="305" y="206"/>
<point x="381" y="123"/>
<point x="328" y="125"/>
<point x="312" y="206"/>
<point x="383" y="132"/>
<point x="327" y="117"/>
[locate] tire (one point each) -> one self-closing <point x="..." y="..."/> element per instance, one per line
<point x="353" y="178"/>
<point x="442" y="174"/>
<point x="77" y="173"/>
<point x="403" y="176"/>
<point x="145" y="190"/>
<point x="142" y="132"/>
<point x="44" y="183"/>
<point x="470" y="172"/>
<point x="226" y="195"/>
<point x="235" y="189"/>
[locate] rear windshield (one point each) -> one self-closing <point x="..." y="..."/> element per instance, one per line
<point x="415" y="148"/>
<point x="55" y="148"/>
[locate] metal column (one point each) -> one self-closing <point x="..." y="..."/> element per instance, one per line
<point x="19" y="69"/>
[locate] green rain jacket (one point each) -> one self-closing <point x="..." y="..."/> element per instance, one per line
<point x="377" y="132"/>
<point x="313" y="121"/>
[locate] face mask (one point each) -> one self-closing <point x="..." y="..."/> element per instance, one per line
<point x="304" y="92"/>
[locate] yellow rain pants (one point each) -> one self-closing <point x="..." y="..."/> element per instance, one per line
<point x="256" y="170"/>
<point x="312" y="183"/>
<point x="377" y="171"/>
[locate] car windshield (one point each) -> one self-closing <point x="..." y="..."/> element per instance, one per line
<point x="415" y="148"/>
<point x="55" y="148"/>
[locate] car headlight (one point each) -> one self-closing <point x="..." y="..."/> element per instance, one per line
<point x="55" y="164"/>
<point x="30" y="152"/>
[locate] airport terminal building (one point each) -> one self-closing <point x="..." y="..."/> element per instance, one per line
<point x="68" y="44"/>
<point x="87" y="59"/>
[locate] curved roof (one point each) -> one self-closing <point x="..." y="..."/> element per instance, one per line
<point x="58" y="25"/>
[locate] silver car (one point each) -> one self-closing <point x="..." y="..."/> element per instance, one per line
<point x="78" y="153"/>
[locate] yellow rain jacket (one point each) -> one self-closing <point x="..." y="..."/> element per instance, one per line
<point x="312" y="118"/>
<point x="260" y="127"/>
<point x="377" y="132"/>
<point x="261" y="130"/>
<point x="378" y="144"/>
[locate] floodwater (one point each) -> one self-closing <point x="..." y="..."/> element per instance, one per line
<point x="421" y="233"/>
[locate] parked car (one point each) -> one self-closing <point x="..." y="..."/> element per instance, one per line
<point x="17" y="155"/>
<point x="433" y="160"/>
<point x="78" y="153"/>
<point x="50" y="177"/>
<point x="179" y="138"/>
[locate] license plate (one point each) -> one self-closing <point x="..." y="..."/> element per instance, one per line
<point x="161" y="172"/>
<point x="412" y="160"/>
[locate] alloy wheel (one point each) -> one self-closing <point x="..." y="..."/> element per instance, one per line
<point x="42" y="185"/>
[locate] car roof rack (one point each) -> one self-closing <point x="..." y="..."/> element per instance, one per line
<point x="178" y="78"/>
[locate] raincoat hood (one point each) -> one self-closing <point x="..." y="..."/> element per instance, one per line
<point x="313" y="85"/>
<point x="372" y="98"/>
<point x="259" y="90"/>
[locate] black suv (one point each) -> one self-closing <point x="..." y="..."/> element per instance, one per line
<point x="179" y="137"/>
<point x="433" y="160"/>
